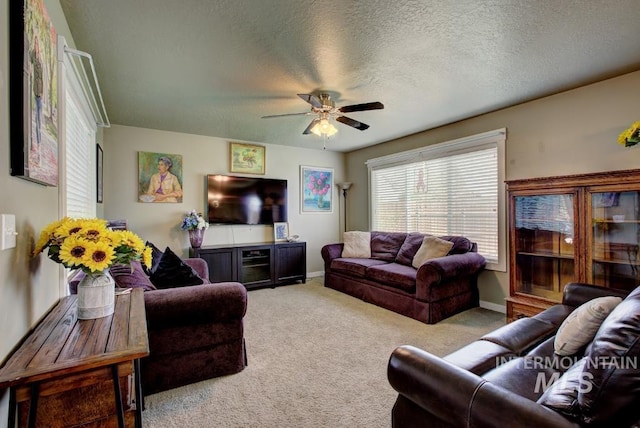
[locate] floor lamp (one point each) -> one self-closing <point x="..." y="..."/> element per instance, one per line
<point x="345" y="186"/>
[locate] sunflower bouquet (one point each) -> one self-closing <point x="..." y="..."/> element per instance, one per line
<point x="630" y="136"/>
<point x="89" y="245"/>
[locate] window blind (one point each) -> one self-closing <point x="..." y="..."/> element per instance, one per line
<point x="453" y="192"/>
<point x="79" y="154"/>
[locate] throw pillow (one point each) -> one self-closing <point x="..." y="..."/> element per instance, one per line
<point x="132" y="276"/>
<point x="579" y="328"/>
<point x="431" y="248"/>
<point x="171" y="271"/>
<point x="155" y="257"/>
<point x="357" y="245"/>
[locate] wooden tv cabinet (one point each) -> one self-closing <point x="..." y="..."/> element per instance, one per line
<point x="259" y="265"/>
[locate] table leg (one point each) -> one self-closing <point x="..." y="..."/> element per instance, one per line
<point x="118" y="395"/>
<point x="139" y="398"/>
<point x="12" y="407"/>
<point x="33" y="405"/>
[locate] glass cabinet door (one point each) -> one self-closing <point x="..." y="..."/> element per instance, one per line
<point x="544" y="244"/>
<point x="615" y="229"/>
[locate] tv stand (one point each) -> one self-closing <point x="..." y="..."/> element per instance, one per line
<point x="259" y="265"/>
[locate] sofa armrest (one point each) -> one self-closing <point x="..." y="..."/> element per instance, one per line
<point x="330" y="252"/>
<point x="461" y="398"/>
<point x="200" y="266"/>
<point x="197" y="304"/>
<point x="440" y="269"/>
<point x="577" y="293"/>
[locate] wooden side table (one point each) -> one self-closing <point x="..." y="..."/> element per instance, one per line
<point x="80" y="372"/>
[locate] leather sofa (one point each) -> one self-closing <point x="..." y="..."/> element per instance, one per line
<point x="506" y="378"/>
<point x="439" y="288"/>
<point x="195" y="332"/>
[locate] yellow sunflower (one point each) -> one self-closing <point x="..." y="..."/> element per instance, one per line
<point x="130" y="239"/>
<point x="98" y="256"/>
<point x="94" y="229"/>
<point x="73" y="251"/>
<point x="629" y="133"/>
<point x="146" y="256"/>
<point x="48" y="235"/>
<point x="69" y="226"/>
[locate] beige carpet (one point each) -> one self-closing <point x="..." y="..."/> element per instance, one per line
<point x="317" y="358"/>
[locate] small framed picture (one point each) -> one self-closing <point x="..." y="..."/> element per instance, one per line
<point x="280" y="231"/>
<point x="246" y="158"/>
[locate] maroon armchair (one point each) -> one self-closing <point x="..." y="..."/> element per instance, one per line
<point x="195" y="332"/>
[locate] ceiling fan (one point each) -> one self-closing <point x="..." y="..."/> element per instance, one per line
<point x="324" y="108"/>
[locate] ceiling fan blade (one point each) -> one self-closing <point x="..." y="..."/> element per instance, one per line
<point x="311" y="125"/>
<point x="354" y="123"/>
<point x="286" y="114"/>
<point x="311" y="99"/>
<point x="361" y="107"/>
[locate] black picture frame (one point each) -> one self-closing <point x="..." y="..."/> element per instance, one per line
<point x="33" y="93"/>
<point x="99" y="174"/>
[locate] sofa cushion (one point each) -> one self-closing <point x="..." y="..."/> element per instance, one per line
<point x="132" y="276"/>
<point x="612" y="364"/>
<point x="431" y="248"/>
<point x="386" y="245"/>
<point x="171" y="271"/>
<point x="357" y="244"/>
<point x="394" y="275"/>
<point x="156" y="254"/>
<point x="461" y="244"/>
<point x="409" y="248"/>
<point x="355" y="267"/>
<point x="562" y="396"/>
<point x="579" y="328"/>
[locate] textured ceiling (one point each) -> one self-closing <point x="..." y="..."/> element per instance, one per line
<point x="214" y="67"/>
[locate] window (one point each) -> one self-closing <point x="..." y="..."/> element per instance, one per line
<point x="452" y="188"/>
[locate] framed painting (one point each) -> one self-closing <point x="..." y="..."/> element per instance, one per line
<point x="33" y="98"/>
<point x="99" y="173"/>
<point x="280" y="231"/>
<point x="316" y="189"/>
<point x="247" y="158"/>
<point x="159" y="177"/>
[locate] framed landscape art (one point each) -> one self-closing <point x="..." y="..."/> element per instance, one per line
<point x="247" y="158"/>
<point x="316" y="189"/>
<point x="33" y="95"/>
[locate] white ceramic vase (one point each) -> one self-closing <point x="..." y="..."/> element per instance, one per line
<point x="96" y="296"/>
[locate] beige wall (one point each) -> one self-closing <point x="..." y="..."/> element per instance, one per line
<point x="569" y="133"/>
<point x="159" y="223"/>
<point x="28" y="287"/>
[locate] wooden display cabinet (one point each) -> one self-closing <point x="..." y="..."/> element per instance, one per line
<point x="578" y="228"/>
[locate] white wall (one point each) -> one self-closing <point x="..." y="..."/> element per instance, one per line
<point x="573" y="132"/>
<point x="159" y="223"/>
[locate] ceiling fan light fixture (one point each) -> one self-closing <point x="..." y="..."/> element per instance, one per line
<point x="324" y="128"/>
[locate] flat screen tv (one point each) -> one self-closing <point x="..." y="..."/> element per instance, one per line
<point x="245" y="200"/>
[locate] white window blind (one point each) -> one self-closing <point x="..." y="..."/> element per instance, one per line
<point x="80" y="147"/>
<point x="452" y="189"/>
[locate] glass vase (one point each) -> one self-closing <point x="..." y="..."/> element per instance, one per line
<point x="195" y="237"/>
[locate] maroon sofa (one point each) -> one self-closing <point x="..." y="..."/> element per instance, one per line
<point x="195" y="332"/>
<point x="506" y="378"/>
<point x="440" y="288"/>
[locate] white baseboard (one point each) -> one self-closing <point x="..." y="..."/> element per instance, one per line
<point x="493" y="307"/>
<point x="315" y="274"/>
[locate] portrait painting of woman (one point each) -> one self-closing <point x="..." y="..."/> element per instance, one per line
<point x="160" y="177"/>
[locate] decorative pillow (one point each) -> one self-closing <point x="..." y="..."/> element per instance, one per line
<point x="461" y="245"/>
<point x="385" y="245"/>
<point x="156" y="254"/>
<point x="431" y="248"/>
<point x="357" y="245"/>
<point x="171" y="271"/>
<point x="562" y="396"/>
<point x="612" y="367"/>
<point x="409" y="248"/>
<point x="579" y="328"/>
<point x="132" y="276"/>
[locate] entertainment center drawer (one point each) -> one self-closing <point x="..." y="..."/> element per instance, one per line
<point x="256" y="265"/>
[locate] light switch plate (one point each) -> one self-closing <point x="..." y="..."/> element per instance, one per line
<point x="8" y="231"/>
